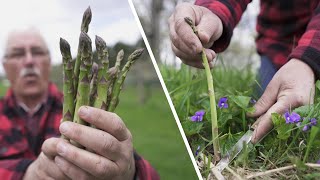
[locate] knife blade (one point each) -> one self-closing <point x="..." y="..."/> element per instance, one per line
<point x="235" y="150"/>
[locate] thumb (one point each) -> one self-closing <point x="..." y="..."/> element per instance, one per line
<point x="209" y="28"/>
<point x="268" y="98"/>
<point x="265" y="122"/>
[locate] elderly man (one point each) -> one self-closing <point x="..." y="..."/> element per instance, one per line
<point x="30" y="116"/>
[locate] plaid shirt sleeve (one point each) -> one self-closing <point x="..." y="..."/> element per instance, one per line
<point x="144" y="171"/>
<point x="308" y="48"/>
<point x="230" y="13"/>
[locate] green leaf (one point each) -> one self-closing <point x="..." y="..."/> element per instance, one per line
<point x="303" y="111"/>
<point x="191" y="128"/>
<point x="313" y="135"/>
<point x="281" y="127"/>
<point x="298" y="163"/>
<point x="318" y="85"/>
<point x="241" y="101"/>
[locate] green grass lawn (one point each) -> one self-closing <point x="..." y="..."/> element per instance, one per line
<point x="3" y="89"/>
<point x="156" y="135"/>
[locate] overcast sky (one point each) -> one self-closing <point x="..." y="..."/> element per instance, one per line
<point x="112" y="20"/>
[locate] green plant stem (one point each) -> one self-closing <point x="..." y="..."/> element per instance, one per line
<point x="213" y="107"/>
<point x="112" y="76"/>
<point x="118" y="85"/>
<point x="86" y="19"/>
<point x="112" y="80"/>
<point x="68" y="89"/>
<point x="103" y="76"/>
<point x="93" y="84"/>
<point x="84" y="81"/>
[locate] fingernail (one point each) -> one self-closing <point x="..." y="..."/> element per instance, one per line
<point x="64" y="127"/>
<point x="83" y="111"/>
<point x="61" y="148"/>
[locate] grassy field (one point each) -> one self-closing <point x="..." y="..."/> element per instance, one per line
<point x="156" y="135"/>
<point x="285" y="145"/>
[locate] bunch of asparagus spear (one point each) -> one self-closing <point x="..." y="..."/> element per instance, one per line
<point x="88" y="83"/>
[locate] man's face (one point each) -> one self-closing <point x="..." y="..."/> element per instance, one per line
<point x="27" y="64"/>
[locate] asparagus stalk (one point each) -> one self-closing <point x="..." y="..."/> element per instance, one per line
<point x="116" y="72"/>
<point x="103" y="66"/>
<point x="112" y="78"/>
<point x="118" y="85"/>
<point x="84" y="81"/>
<point x="68" y="90"/>
<point x="214" y="120"/>
<point x="86" y="19"/>
<point x="94" y="83"/>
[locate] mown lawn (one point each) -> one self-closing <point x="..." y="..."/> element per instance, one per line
<point x="156" y="135"/>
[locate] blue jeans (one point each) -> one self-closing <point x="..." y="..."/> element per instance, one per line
<point x="265" y="74"/>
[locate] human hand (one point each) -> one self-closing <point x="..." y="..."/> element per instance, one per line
<point x="111" y="143"/>
<point x="44" y="166"/>
<point x="292" y="86"/>
<point x="185" y="44"/>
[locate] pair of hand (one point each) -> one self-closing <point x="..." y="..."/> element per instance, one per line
<point x="111" y="143"/>
<point x="291" y="86"/>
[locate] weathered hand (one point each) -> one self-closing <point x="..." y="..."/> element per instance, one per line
<point x="44" y="167"/>
<point x="111" y="143"/>
<point x="292" y="86"/>
<point x="185" y="44"/>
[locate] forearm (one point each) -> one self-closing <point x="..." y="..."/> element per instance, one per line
<point x="308" y="48"/>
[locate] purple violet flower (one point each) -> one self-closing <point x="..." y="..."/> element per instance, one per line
<point x="198" y="116"/>
<point x="313" y="122"/>
<point x="292" y="118"/>
<point x="305" y="128"/>
<point x="318" y="162"/>
<point x="252" y="101"/>
<point x="197" y="151"/>
<point x="223" y="102"/>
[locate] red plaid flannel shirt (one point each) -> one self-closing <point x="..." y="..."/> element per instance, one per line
<point x="286" y="28"/>
<point x="21" y="136"/>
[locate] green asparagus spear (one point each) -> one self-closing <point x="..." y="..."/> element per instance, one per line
<point x="87" y="15"/>
<point x="113" y="79"/>
<point x="118" y="85"/>
<point x="84" y="81"/>
<point x="94" y="83"/>
<point x="68" y="90"/>
<point x="103" y="66"/>
<point x="86" y="19"/>
<point x="113" y="72"/>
